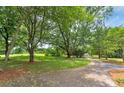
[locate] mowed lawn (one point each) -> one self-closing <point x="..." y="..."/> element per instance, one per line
<point x="42" y="63"/>
<point x="110" y="60"/>
<point x="118" y="61"/>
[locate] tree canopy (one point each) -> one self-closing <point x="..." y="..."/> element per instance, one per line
<point x="71" y="30"/>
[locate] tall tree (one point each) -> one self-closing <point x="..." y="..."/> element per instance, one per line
<point x="34" y="19"/>
<point x="99" y="29"/>
<point x="64" y="34"/>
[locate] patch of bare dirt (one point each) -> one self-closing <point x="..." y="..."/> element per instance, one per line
<point x="117" y="73"/>
<point x="12" y="73"/>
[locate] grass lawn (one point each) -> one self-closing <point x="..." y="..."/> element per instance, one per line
<point x="118" y="61"/>
<point x="42" y="63"/>
<point x="110" y="60"/>
<point x="120" y="80"/>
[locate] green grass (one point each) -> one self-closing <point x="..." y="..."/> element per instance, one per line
<point x="43" y="63"/>
<point x="110" y="60"/>
<point x="120" y="80"/>
<point x="118" y="61"/>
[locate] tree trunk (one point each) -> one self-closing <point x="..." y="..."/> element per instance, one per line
<point x="31" y="55"/>
<point x="9" y="49"/>
<point x="99" y="54"/>
<point x="123" y="54"/>
<point x="6" y="49"/>
<point x="11" y="45"/>
<point x="68" y="54"/>
<point x="76" y="56"/>
<point x="106" y="57"/>
<point x="57" y="52"/>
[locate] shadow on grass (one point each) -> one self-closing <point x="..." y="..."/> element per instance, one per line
<point x="43" y="63"/>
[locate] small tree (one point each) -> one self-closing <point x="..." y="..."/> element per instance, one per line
<point x="116" y="36"/>
<point x="9" y="27"/>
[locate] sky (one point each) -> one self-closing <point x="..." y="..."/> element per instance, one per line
<point x="117" y="17"/>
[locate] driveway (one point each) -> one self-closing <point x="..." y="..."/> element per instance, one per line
<point x="93" y="75"/>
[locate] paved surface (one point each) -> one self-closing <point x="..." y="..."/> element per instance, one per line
<point x="93" y="75"/>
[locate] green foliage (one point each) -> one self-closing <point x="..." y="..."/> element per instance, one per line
<point x="9" y="28"/>
<point x="9" y="19"/>
<point x="18" y="50"/>
<point x="115" y="53"/>
<point x="71" y="31"/>
<point x="116" y="35"/>
<point x="53" y="52"/>
<point x="116" y="38"/>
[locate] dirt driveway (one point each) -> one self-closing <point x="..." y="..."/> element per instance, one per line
<point x="93" y="75"/>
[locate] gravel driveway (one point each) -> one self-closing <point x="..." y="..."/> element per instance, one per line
<point x="93" y="75"/>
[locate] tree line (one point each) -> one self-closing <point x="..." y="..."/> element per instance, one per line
<point x="75" y="30"/>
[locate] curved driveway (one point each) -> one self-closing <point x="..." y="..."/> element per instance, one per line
<point x="93" y="75"/>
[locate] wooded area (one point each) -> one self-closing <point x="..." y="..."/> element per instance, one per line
<point x="72" y="31"/>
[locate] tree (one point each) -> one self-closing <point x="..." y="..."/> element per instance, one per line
<point x="9" y="27"/>
<point x="99" y="29"/>
<point x="65" y="20"/>
<point x="34" y="22"/>
<point x="116" y="36"/>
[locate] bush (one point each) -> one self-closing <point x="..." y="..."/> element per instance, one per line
<point x="79" y="52"/>
<point x="52" y="52"/>
<point x="115" y="54"/>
